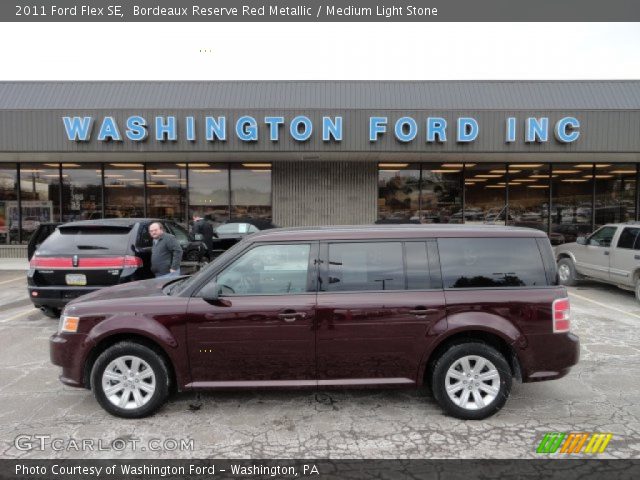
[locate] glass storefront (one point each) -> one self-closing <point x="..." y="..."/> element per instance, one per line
<point x="39" y="195"/>
<point x="166" y="191"/>
<point x="566" y="200"/>
<point x="209" y="191"/>
<point x="251" y="191"/>
<point x="81" y="192"/>
<point x="8" y="204"/>
<point x="123" y="190"/>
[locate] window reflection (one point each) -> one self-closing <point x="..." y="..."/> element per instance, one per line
<point x="166" y="191"/>
<point x="251" y="191"/>
<point x="572" y="190"/>
<point x="40" y="196"/>
<point x="81" y="192"/>
<point x="485" y="186"/>
<point x="529" y="195"/>
<point x="615" y="193"/>
<point x="8" y="204"/>
<point x="398" y="192"/>
<point x="124" y="190"/>
<point x="441" y="193"/>
<point x="209" y="191"/>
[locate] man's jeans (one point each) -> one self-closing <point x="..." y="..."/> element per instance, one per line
<point x="169" y="275"/>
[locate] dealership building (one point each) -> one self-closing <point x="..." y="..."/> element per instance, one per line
<point x="560" y="156"/>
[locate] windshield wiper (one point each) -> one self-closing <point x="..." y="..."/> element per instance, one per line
<point x="91" y="247"/>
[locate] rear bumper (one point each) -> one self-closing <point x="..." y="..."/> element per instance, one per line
<point x="549" y="357"/>
<point x="69" y="351"/>
<point x="56" y="297"/>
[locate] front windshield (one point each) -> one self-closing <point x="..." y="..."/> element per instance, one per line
<point x="221" y="259"/>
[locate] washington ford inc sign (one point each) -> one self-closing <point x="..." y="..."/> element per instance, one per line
<point x="301" y="128"/>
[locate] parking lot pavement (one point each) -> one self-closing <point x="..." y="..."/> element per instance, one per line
<point x="600" y="395"/>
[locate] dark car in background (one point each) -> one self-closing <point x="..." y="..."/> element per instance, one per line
<point x="80" y="257"/>
<point x="463" y="309"/>
<point x="227" y="234"/>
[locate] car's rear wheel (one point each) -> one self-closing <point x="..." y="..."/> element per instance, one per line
<point x="567" y="272"/>
<point x="130" y="380"/>
<point x="471" y="381"/>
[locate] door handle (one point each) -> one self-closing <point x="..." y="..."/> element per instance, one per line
<point x="291" y="316"/>
<point x="423" y="311"/>
<point x="606" y="253"/>
<point x="636" y="257"/>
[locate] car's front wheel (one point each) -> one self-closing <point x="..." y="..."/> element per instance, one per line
<point x="471" y="381"/>
<point x="130" y="380"/>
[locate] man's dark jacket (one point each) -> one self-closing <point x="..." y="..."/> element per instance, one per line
<point x="166" y="254"/>
<point x="205" y="229"/>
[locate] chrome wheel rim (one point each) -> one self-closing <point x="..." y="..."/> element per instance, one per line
<point x="128" y="382"/>
<point x="564" y="272"/>
<point x="472" y="382"/>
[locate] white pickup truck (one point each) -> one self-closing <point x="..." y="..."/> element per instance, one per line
<point x="611" y="254"/>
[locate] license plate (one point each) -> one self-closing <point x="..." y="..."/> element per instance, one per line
<point x="76" y="279"/>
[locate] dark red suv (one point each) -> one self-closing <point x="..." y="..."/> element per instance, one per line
<point x="462" y="309"/>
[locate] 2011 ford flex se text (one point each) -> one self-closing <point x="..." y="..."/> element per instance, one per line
<point x="462" y="309"/>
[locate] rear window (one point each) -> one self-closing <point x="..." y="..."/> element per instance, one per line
<point x="98" y="240"/>
<point x="491" y="262"/>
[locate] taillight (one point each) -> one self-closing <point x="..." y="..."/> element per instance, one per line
<point x="50" y="262"/>
<point x="561" y="311"/>
<point x="132" y="261"/>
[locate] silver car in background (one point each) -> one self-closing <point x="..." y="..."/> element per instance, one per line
<point x="611" y="254"/>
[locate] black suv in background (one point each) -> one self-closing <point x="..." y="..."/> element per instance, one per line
<point x="80" y="257"/>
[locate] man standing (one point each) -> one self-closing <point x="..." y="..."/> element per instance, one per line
<point x="166" y="252"/>
<point x="204" y="228"/>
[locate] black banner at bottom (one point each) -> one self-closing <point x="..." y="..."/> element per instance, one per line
<point x="566" y="469"/>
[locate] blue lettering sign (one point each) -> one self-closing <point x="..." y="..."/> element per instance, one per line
<point x="411" y="127"/>
<point x="166" y="130"/>
<point x="216" y="128"/>
<point x="510" y="136"/>
<point x="109" y="130"/>
<point x="247" y="129"/>
<point x="307" y="128"/>
<point x="537" y="130"/>
<point x="331" y="128"/>
<point x="274" y="124"/>
<point x="190" y="124"/>
<point x="567" y="129"/>
<point x="467" y="129"/>
<point x="78" y="128"/>
<point x="436" y="130"/>
<point x="377" y="126"/>
<point x="136" y="128"/>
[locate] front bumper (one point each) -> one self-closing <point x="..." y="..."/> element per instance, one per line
<point x="549" y="356"/>
<point x="69" y="351"/>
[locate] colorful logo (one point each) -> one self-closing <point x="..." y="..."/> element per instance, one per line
<point x="574" y="442"/>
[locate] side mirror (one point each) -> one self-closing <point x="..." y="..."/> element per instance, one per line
<point x="581" y="241"/>
<point x="210" y="293"/>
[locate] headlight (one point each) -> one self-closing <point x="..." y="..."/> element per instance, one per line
<point x="68" y="324"/>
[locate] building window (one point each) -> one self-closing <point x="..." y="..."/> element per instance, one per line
<point x="441" y="193"/>
<point x="123" y="190"/>
<point x="571" y="202"/>
<point x="251" y="191"/>
<point x="166" y="191"/>
<point x="209" y="191"/>
<point x="8" y="204"/>
<point x="40" y="196"/>
<point x="81" y="192"/>
<point x="529" y="195"/>
<point x="615" y="193"/>
<point x="398" y="192"/>
<point x="484" y="192"/>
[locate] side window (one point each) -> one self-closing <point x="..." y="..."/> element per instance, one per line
<point x="417" y="263"/>
<point x="491" y="262"/>
<point x="267" y="269"/>
<point x="602" y="237"/>
<point x="180" y="234"/>
<point x="628" y="238"/>
<point x="144" y="239"/>
<point x="365" y="266"/>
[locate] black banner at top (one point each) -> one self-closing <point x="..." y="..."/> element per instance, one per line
<point x="320" y="11"/>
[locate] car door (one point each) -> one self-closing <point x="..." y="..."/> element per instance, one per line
<point x="261" y="330"/>
<point x="624" y="259"/>
<point x="592" y="259"/>
<point x="375" y="310"/>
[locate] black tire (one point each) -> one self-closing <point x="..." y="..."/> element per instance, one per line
<point x="155" y="361"/>
<point x="51" y="312"/>
<point x="571" y="277"/>
<point x="449" y="358"/>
